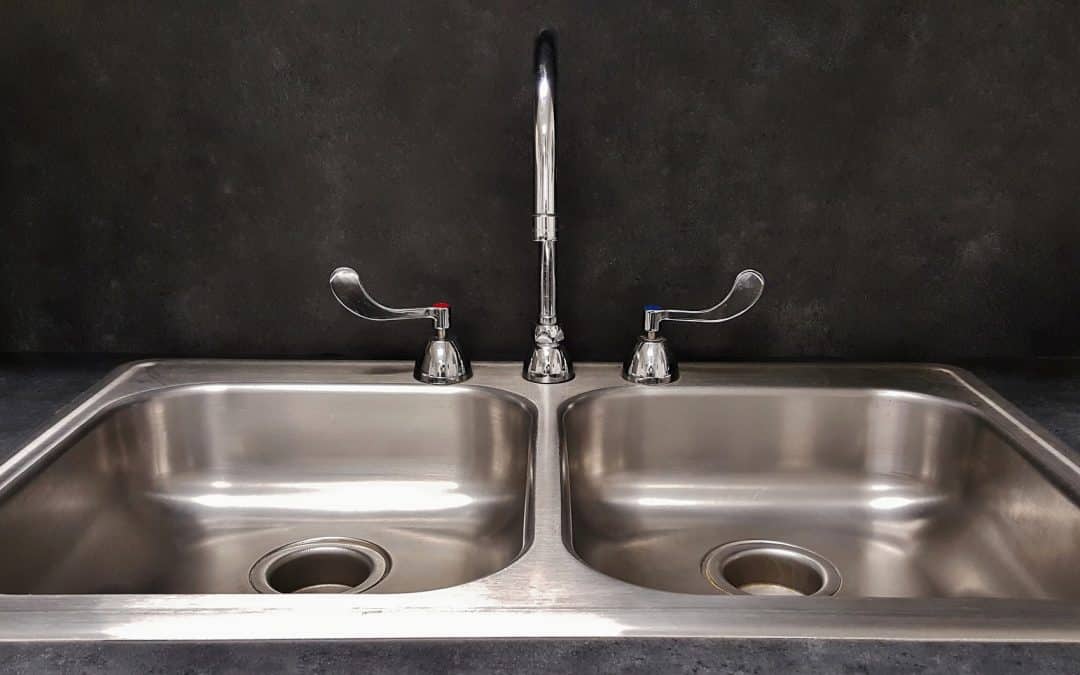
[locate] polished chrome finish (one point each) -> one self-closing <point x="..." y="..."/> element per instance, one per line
<point x="346" y="287"/>
<point x="757" y="567"/>
<point x="652" y="361"/>
<point x="744" y="294"/>
<point x="544" y="231"/>
<point x="549" y="362"/>
<point x="321" y="565"/>
<point x="544" y="128"/>
<point x="441" y="362"/>
<point x="150" y="499"/>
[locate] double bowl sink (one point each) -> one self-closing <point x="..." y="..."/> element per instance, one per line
<point x="246" y="500"/>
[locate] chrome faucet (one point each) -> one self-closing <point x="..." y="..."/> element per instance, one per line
<point x="441" y="362"/>
<point x="652" y="361"/>
<point x="549" y="363"/>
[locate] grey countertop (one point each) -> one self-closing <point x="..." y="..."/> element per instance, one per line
<point x="34" y="389"/>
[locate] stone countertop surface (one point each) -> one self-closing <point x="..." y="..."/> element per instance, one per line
<point x="34" y="389"/>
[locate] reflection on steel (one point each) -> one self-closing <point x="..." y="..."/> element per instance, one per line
<point x="508" y="508"/>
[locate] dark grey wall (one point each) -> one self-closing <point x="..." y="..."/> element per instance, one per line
<point x="181" y="177"/>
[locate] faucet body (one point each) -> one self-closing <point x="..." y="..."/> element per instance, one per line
<point x="653" y="362"/>
<point x="441" y="362"/>
<point x="549" y="362"/>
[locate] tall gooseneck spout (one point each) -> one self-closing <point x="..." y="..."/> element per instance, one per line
<point x="549" y="363"/>
<point x="544" y="129"/>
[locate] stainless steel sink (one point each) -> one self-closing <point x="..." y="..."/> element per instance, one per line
<point x="183" y="489"/>
<point x="880" y="492"/>
<point x="236" y="500"/>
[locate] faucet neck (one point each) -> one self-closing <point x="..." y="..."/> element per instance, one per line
<point x="544" y="128"/>
<point x="548" y="363"/>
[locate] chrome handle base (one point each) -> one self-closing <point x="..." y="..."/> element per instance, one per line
<point x="653" y="362"/>
<point x="441" y="362"/>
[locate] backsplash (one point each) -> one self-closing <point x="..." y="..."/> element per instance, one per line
<point x="182" y="179"/>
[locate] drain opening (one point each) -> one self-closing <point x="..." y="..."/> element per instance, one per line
<point x="321" y="565"/>
<point x="759" y="567"/>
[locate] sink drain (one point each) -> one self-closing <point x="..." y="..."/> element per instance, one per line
<point x="321" y="565"/>
<point x="759" y="567"/>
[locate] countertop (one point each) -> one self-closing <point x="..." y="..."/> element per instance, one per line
<point x="35" y="388"/>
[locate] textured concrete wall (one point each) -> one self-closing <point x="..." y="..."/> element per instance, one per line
<point x="181" y="178"/>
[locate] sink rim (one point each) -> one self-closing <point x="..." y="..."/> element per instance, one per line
<point x="546" y="591"/>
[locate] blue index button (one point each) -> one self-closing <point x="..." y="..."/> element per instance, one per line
<point x="652" y="308"/>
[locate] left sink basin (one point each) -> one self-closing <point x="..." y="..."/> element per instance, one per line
<point x="196" y="488"/>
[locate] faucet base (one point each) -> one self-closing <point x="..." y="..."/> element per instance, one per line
<point x="549" y="363"/>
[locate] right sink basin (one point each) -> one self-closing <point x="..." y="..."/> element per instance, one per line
<point x="855" y="492"/>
